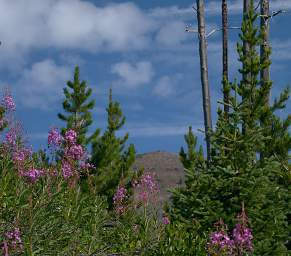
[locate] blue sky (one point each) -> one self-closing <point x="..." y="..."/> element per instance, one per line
<point x="139" y="48"/>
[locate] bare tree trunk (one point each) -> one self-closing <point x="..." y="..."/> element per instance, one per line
<point x="247" y="4"/>
<point x="265" y="73"/>
<point x="204" y="74"/>
<point x="246" y="48"/>
<point x="264" y="48"/>
<point x="225" y="56"/>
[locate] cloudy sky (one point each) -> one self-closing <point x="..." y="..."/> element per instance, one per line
<point x="139" y="48"/>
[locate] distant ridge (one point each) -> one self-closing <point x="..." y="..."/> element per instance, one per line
<point x="167" y="167"/>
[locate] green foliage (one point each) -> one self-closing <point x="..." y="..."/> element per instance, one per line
<point x="48" y="213"/>
<point x="56" y="217"/>
<point x="192" y="157"/>
<point x="79" y="117"/>
<point x="236" y="174"/>
<point x="138" y="233"/>
<point x="255" y="93"/>
<point x="109" y="156"/>
<point x="182" y="239"/>
<point x="3" y="124"/>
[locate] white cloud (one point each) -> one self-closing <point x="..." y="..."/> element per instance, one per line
<point x="281" y="50"/>
<point x="170" y="11"/>
<point x="72" y="59"/>
<point x="158" y="129"/>
<point x="164" y="87"/>
<point x="213" y="7"/>
<point x="134" y="107"/>
<point x="235" y="7"/>
<point x="70" y="24"/>
<point x="167" y="85"/>
<point x="41" y="86"/>
<point x="132" y="75"/>
<point x="80" y="24"/>
<point x="172" y="34"/>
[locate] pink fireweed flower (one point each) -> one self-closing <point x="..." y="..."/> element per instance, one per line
<point x="120" y="194"/>
<point x="220" y="243"/>
<point x="147" y="181"/>
<point x="5" y="248"/>
<point x="240" y="243"/>
<point x="53" y="173"/>
<point x="33" y="174"/>
<point x="221" y="240"/>
<point x="119" y="200"/>
<point x="14" y="134"/>
<point x="147" y="188"/>
<point x="71" y="136"/>
<point x="75" y="152"/>
<point x="86" y="166"/>
<point x="21" y="154"/>
<point x="20" y="157"/>
<point x="242" y="235"/>
<point x="120" y="209"/>
<point x="11" y="137"/>
<point x="66" y="169"/>
<point x="14" y="235"/>
<point x="243" y="238"/>
<point x="54" y="137"/>
<point x="166" y="220"/>
<point x="13" y="241"/>
<point x="143" y="196"/>
<point x="8" y="101"/>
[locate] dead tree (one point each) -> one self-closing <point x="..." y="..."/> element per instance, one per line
<point x="246" y="49"/>
<point x="246" y="9"/>
<point x="204" y="74"/>
<point x="225" y="56"/>
<point x="265" y="47"/>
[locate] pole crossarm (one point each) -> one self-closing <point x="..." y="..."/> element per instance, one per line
<point x="219" y="29"/>
<point x="191" y="30"/>
<point x="274" y="13"/>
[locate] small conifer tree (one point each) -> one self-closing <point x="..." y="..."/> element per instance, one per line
<point x="79" y="117"/>
<point x="109" y="156"/>
<point x="236" y="173"/>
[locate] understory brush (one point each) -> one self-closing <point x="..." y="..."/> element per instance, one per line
<point x="44" y="210"/>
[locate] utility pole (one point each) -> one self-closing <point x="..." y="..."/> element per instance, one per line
<point x="204" y="74"/>
<point x="265" y="28"/>
<point x="225" y="56"/>
<point x="246" y="48"/>
<point x="246" y="9"/>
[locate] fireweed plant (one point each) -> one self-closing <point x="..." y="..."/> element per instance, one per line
<point x="44" y="210"/>
<point x="143" y="230"/>
<point x="239" y="243"/>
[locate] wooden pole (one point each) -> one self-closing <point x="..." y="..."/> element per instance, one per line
<point x="246" y="49"/>
<point x="225" y="55"/>
<point x="265" y="73"/>
<point x="204" y="74"/>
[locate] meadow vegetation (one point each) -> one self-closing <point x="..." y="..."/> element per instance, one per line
<point x="65" y="201"/>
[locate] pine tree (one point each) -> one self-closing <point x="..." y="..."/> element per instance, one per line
<point x="235" y="174"/>
<point x="109" y="156"/>
<point x="79" y="117"/>
<point x="192" y="157"/>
